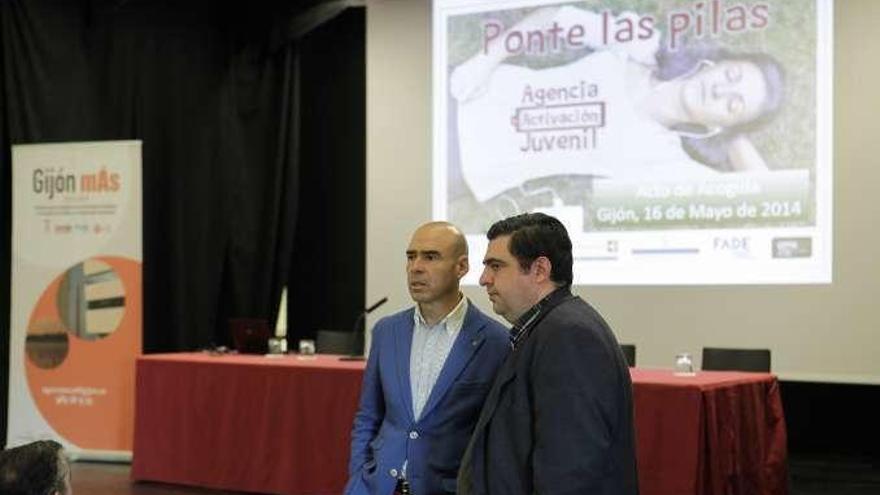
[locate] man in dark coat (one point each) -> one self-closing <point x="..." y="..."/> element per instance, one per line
<point x="559" y="417"/>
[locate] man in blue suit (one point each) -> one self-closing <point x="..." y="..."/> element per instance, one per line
<point x="429" y="370"/>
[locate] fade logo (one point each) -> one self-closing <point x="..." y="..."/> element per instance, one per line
<point x="739" y="245"/>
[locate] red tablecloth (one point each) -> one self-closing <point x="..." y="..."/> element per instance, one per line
<point x="248" y="423"/>
<point x="714" y="433"/>
<point x="281" y="425"/>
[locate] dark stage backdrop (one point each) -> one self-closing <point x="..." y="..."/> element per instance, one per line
<point x="330" y="240"/>
<point x="217" y="95"/>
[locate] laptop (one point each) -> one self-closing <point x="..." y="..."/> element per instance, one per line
<point x="250" y="335"/>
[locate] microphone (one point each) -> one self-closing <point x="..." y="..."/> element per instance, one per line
<point x="375" y="305"/>
<point x="358" y="337"/>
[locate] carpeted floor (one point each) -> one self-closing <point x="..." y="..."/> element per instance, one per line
<point x="98" y="478"/>
<point x="810" y="475"/>
<point x="834" y="475"/>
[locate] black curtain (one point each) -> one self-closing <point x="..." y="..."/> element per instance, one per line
<point x="326" y="277"/>
<point x="214" y="93"/>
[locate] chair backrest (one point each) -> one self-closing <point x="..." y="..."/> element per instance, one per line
<point x="724" y="359"/>
<point x="629" y="352"/>
<point x="333" y="342"/>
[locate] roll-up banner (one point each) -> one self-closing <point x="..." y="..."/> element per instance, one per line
<point x="76" y="310"/>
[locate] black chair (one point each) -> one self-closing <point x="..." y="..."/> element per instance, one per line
<point x="727" y="359"/>
<point x="333" y="342"/>
<point x="629" y="352"/>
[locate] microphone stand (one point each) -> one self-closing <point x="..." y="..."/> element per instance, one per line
<point x="358" y="338"/>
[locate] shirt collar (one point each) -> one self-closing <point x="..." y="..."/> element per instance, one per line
<point x="453" y="320"/>
<point x="524" y="323"/>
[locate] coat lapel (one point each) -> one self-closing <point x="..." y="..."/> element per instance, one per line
<point x="507" y="372"/>
<point x="403" y="336"/>
<point x="466" y="344"/>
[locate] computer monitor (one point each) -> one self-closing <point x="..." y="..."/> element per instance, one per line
<point x="250" y="335"/>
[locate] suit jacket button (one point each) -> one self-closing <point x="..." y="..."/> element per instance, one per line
<point x="393" y="473"/>
<point x="413" y="435"/>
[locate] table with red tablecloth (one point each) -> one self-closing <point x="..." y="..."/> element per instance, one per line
<point x="282" y="425"/>
<point x="712" y="433"/>
<point x="246" y="423"/>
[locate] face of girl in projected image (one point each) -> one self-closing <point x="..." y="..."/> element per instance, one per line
<point x="724" y="94"/>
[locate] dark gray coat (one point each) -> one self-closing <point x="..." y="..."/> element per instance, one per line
<point x="559" y="417"/>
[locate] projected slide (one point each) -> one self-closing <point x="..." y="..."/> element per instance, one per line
<point x="680" y="142"/>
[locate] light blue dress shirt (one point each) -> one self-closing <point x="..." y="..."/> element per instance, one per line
<point x="430" y="347"/>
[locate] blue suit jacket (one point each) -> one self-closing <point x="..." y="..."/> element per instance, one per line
<point x="385" y="433"/>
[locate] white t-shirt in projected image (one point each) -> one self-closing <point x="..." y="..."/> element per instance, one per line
<point x="501" y="146"/>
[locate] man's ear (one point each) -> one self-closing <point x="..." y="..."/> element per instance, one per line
<point x="462" y="265"/>
<point x="542" y="268"/>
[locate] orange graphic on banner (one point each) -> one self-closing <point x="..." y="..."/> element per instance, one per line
<point x="82" y="341"/>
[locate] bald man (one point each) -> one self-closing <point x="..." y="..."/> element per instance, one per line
<point x="429" y="370"/>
